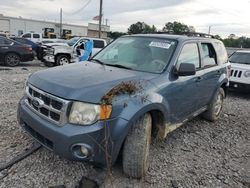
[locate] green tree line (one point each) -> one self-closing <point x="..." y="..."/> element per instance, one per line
<point x="178" y="28"/>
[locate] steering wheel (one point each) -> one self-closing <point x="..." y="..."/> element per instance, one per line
<point x="159" y="63"/>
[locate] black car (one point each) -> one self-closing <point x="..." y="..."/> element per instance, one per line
<point x="28" y="42"/>
<point x="12" y="52"/>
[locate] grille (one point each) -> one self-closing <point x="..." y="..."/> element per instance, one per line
<point x="39" y="137"/>
<point x="236" y="73"/>
<point x="49" y="106"/>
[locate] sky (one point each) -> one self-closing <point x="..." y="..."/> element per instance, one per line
<point x="224" y="16"/>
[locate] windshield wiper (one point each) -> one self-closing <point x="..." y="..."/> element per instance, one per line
<point x="119" y="66"/>
<point x="98" y="61"/>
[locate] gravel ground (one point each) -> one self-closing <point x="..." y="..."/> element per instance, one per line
<point x="199" y="154"/>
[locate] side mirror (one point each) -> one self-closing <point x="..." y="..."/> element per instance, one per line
<point x="186" y="69"/>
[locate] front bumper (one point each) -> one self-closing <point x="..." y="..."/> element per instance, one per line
<point x="49" y="58"/>
<point x="239" y="85"/>
<point x="61" y="139"/>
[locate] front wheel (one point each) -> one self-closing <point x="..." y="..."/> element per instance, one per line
<point x="62" y="60"/>
<point x="214" y="109"/>
<point x="136" y="147"/>
<point x="12" y="59"/>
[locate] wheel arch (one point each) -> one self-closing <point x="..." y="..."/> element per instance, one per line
<point x="12" y="52"/>
<point x="155" y="110"/>
<point x="61" y="54"/>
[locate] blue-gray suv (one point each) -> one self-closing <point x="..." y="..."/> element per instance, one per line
<point x="137" y="86"/>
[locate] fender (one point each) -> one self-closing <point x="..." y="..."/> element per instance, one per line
<point x="222" y="80"/>
<point x="136" y="106"/>
<point x="63" y="50"/>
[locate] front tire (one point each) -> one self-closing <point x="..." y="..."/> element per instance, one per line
<point x="136" y="147"/>
<point x="12" y="59"/>
<point x="62" y="60"/>
<point x="214" y="109"/>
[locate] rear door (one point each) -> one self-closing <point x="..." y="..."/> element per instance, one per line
<point x="210" y="73"/>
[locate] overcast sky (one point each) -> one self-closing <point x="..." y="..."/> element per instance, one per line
<point x="224" y="16"/>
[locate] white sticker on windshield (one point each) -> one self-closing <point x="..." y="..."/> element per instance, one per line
<point x="164" y="45"/>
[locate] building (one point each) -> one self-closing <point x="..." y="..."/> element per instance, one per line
<point x="18" y="26"/>
<point x="93" y="30"/>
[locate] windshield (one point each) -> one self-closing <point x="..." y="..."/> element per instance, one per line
<point x="138" y="53"/>
<point x="240" y="57"/>
<point x="72" y="41"/>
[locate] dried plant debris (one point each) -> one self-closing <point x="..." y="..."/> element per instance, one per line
<point x="128" y="87"/>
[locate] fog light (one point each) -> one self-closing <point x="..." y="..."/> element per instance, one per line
<point x="84" y="151"/>
<point x="81" y="151"/>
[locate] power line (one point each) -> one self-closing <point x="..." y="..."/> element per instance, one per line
<point x="79" y="10"/>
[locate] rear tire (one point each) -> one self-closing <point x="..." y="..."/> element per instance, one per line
<point x="214" y="109"/>
<point x="136" y="147"/>
<point x="12" y="59"/>
<point x="62" y="60"/>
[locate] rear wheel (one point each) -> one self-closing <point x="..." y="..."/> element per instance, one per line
<point x="214" y="109"/>
<point x="12" y="59"/>
<point x="62" y="60"/>
<point x="136" y="147"/>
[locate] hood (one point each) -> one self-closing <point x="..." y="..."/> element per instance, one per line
<point x="56" y="44"/>
<point x="85" y="81"/>
<point x="240" y="66"/>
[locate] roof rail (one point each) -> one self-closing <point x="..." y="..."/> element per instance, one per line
<point x="189" y="34"/>
<point x="195" y="34"/>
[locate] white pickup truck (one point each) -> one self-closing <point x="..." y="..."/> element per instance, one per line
<point x="240" y="70"/>
<point x="60" y="54"/>
<point x="38" y="37"/>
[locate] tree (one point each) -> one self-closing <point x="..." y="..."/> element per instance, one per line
<point x="141" y="27"/>
<point x="217" y="37"/>
<point x="175" y="28"/>
<point x="115" y="34"/>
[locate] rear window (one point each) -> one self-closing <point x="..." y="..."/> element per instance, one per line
<point x="28" y="35"/>
<point x="221" y="52"/>
<point x="98" y="44"/>
<point x="240" y="57"/>
<point x="36" y="36"/>
<point x="20" y="40"/>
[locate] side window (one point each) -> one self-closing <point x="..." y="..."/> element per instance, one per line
<point x="98" y="44"/>
<point x="190" y="54"/>
<point x="1" y="41"/>
<point x="28" y="35"/>
<point x="36" y="36"/>
<point x="208" y="55"/>
<point x="8" y="42"/>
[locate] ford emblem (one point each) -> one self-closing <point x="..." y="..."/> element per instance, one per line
<point x="36" y="102"/>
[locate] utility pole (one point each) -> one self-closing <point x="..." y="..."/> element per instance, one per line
<point x="60" y="22"/>
<point x="100" y="19"/>
<point x="209" y="29"/>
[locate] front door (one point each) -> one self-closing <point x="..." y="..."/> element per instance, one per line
<point x="183" y="92"/>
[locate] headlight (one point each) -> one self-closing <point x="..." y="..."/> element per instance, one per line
<point x="50" y="51"/>
<point x="86" y="114"/>
<point x="247" y="74"/>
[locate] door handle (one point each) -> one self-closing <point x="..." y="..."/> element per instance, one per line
<point x="5" y="47"/>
